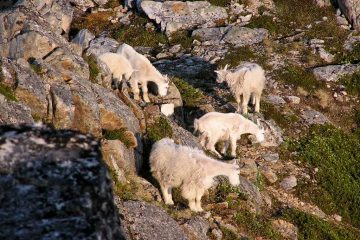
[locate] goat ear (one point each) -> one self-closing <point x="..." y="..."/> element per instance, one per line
<point x="218" y="71"/>
<point x="226" y="66"/>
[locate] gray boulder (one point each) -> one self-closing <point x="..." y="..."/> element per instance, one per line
<point x="14" y="113"/>
<point x="242" y="36"/>
<point x="175" y="15"/>
<point x="102" y="45"/>
<point x="333" y="73"/>
<point x="148" y="222"/>
<point x="54" y="185"/>
<point x="58" y="14"/>
<point x="312" y="116"/>
<point x="351" y="10"/>
<point x="83" y="38"/>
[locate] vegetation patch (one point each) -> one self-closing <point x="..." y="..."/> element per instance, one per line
<point x="242" y="54"/>
<point x="95" y="22"/>
<point x="299" y="77"/>
<point x="161" y="128"/>
<point x="93" y="67"/>
<point x="7" y="92"/>
<point x="137" y="35"/>
<point x="267" y="22"/>
<point x="283" y="120"/>
<point x="183" y="38"/>
<point x="113" y="3"/>
<point x="350" y="57"/>
<point x="256" y="225"/>
<point x="121" y="134"/>
<point x="312" y="227"/>
<point x="191" y="96"/>
<point x="352" y="83"/>
<point x="336" y="155"/>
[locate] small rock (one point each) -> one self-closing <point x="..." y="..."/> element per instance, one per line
<point x="293" y="99"/>
<point x="163" y="55"/>
<point x="276" y="100"/>
<point x="286" y="229"/>
<point x="175" y="49"/>
<point x="249" y="169"/>
<point x="152" y="110"/>
<point x="167" y="109"/>
<point x="269" y="174"/>
<point x="337" y="217"/>
<point x="314" y="117"/>
<point x="271" y="157"/>
<point x="246" y="18"/>
<point x="217" y="233"/>
<point x="288" y="183"/>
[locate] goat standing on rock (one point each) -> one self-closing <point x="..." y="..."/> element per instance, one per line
<point x="145" y="72"/>
<point x="181" y="166"/>
<point x="247" y="80"/>
<point x="228" y="127"/>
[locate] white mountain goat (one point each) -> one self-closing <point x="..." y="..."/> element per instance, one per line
<point x="247" y="80"/>
<point x="145" y="73"/>
<point x="118" y="65"/>
<point x="181" y="166"/>
<point x="214" y="127"/>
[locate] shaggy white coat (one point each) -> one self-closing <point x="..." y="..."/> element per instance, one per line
<point x="119" y="66"/>
<point x="145" y="73"/>
<point x="181" y="166"/>
<point x="247" y="80"/>
<point x="228" y="127"/>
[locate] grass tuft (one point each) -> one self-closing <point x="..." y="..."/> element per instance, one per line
<point x="299" y="77"/>
<point x="93" y="67"/>
<point x="336" y="154"/>
<point x="191" y="96"/>
<point x="352" y="83"/>
<point x="160" y="129"/>
<point x="121" y="134"/>
<point x="312" y="227"/>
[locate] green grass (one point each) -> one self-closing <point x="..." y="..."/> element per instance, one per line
<point x="93" y="67"/>
<point x="94" y="22"/>
<point x="137" y="35"/>
<point x="7" y="92"/>
<point x="336" y="155"/>
<point x="312" y="227"/>
<point x="299" y="77"/>
<point x="160" y="129"/>
<point x="352" y="83"/>
<point x="113" y="3"/>
<point x="257" y="225"/>
<point x="265" y="21"/>
<point x="181" y="37"/>
<point x="191" y="96"/>
<point x="121" y="134"/>
<point x="283" y="120"/>
<point x="350" y="57"/>
<point x="228" y="234"/>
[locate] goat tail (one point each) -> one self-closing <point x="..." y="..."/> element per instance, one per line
<point x="196" y="126"/>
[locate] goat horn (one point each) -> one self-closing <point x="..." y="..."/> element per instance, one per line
<point x="226" y="66"/>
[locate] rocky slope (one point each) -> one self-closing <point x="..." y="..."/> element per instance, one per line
<point x="300" y="183"/>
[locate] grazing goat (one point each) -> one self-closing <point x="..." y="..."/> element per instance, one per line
<point x="181" y="166"/>
<point x="228" y="127"/>
<point x="146" y="73"/>
<point x="247" y="80"/>
<point x="118" y="66"/>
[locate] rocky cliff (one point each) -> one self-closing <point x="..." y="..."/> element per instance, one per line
<point x="301" y="183"/>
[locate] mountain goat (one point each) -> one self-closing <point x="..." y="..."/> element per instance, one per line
<point x="247" y="80"/>
<point x="214" y="127"/>
<point x="181" y="166"/>
<point x="146" y="73"/>
<point x="118" y="65"/>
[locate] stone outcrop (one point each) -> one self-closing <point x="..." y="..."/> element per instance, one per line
<point x="54" y="185"/>
<point x="146" y="221"/>
<point x="175" y="15"/>
<point x="351" y="9"/>
<point x="333" y="73"/>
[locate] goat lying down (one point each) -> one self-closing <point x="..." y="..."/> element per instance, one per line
<point x="214" y="127"/>
<point x="181" y="166"/>
<point x="247" y="80"/>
